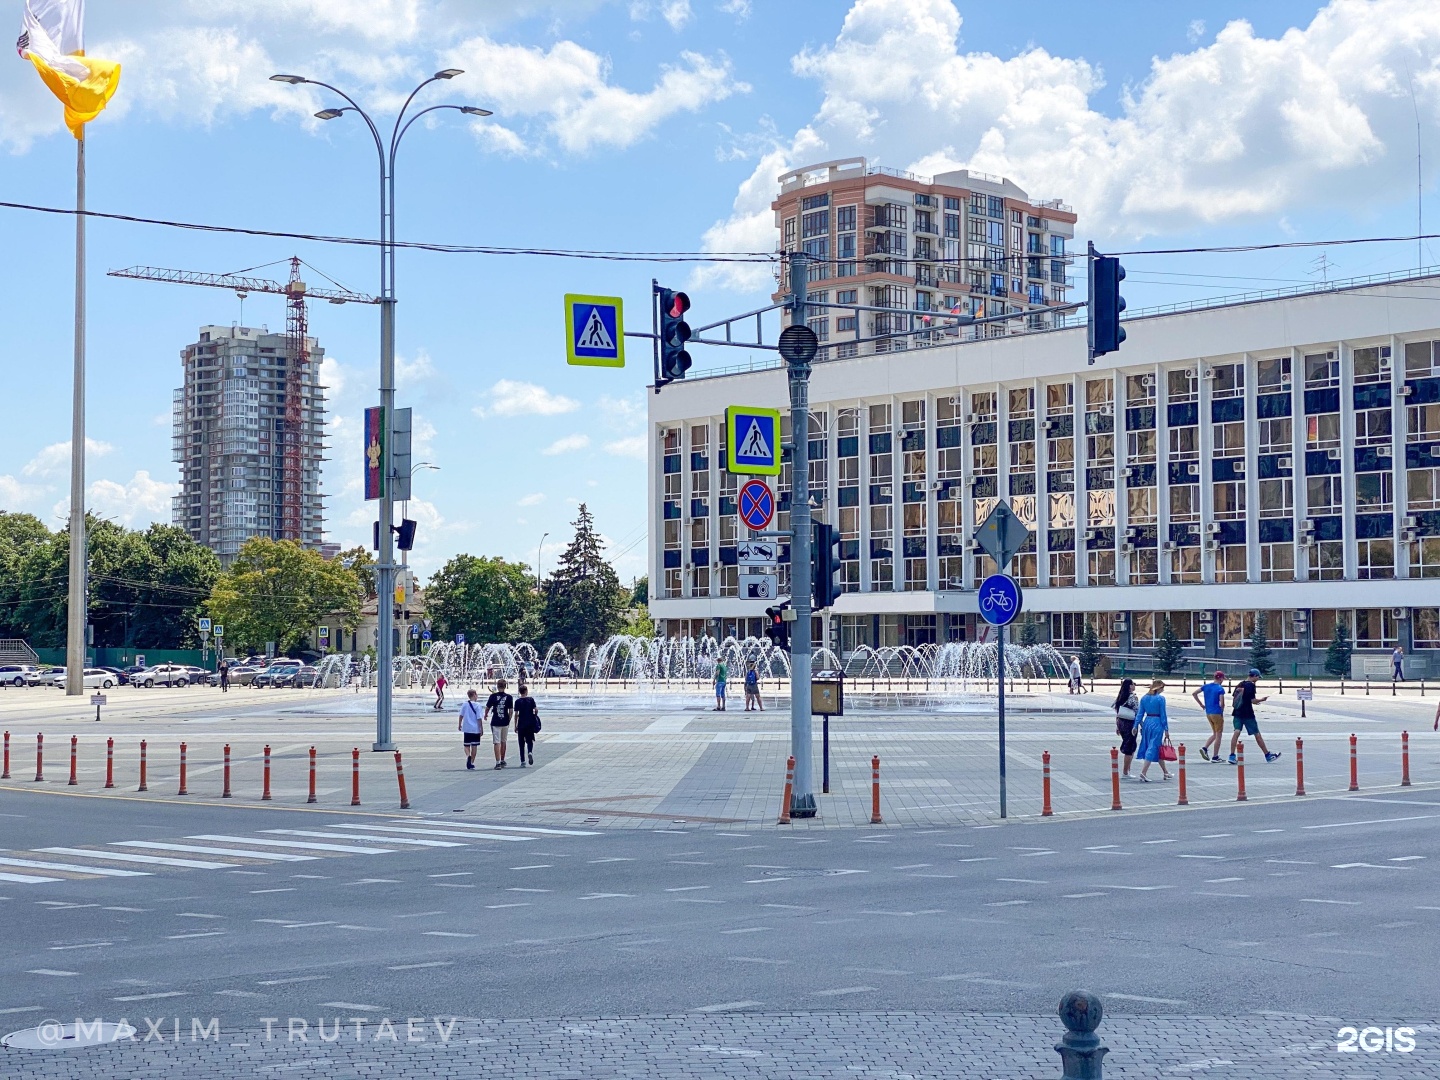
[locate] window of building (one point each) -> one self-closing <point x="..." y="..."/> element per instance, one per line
<point x="1327" y="561"/>
<point x="1140" y="447"/>
<point x="1185" y="565"/>
<point x="1323" y="496"/>
<point x="1322" y="431"/>
<point x="788" y="234"/>
<point x="1425" y="628"/>
<point x="1184" y="502"/>
<point x="1322" y="370"/>
<point x="1277" y="562"/>
<point x="1375" y="558"/>
<point x="1059" y="399"/>
<point x="1423" y="489"/>
<point x="1139" y="391"/>
<point x="1228" y="439"/>
<point x="1277" y="497"/>
<point x="882" y="567"/>
<point x="1184" y="443"/>
<point x="1425" y="557"/>
<point x="1181" y="386"/>
<point x="1374" y="493"/>
<point x="1141" y="505"/>
<point x="813" y="202"/>
<point x="1275" y="436"/>
<point x="1144" y="566"/>
<point x="1422" y="359"/>
<point x="1228" y="381"/>
<point x="1230" y="563"/>
<point x="1422" y="423"/>
<point x="1229" y="499"/>
<point x="1372" y="364"/>
<point x="1024" y="507"/>
<point x="1060" y="454"/>
<point x="982" y="406"/>
<point x="1062" y="510"/>
<point x="816" y="224"/>
<point x="1100" y="450"/>
<point x="1062" y="569"/>
<point x="1272" y="376"/>
<point x="1148" y="627"/>
<point x="1100" y="566"/>
<point x="1022" y="402"/>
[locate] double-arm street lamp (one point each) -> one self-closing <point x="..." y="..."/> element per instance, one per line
<point x="385" y="568"/>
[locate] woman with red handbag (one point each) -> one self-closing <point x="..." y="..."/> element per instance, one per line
<point x="1154" y="724"/>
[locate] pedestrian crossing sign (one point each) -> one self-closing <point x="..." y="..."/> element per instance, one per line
<point x="594" y="331"/>
<point x="752" y="441"/>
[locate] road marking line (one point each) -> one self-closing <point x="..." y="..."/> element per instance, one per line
<point x="534" y="866"/>
<point x="90" y="945"/>
<point x="445" y="933"/>
<point x="1147" y="1000"/>
<point x="498" y="907"/>
<point x="150" y="997"/>
<point x="1364" y="866"/>
<point x="604" y="895"/>
<point x="350" y="926"/>
<point x="451" y="824"/>
<point x="196" y="915"/>
<point x="49" y="971"/>
<point x="98" y="871"/>
<point x="413" y="967"/>
<point x="1222" y="880"/>
<point x="239" y="853"/>
<point x="1140" y="888"/>
<point x="432" y="832"/>
<point x="1372" y="821"/>
<point x="688" y="888"/>
<point x="302" y="845"/>
<point x="1407" y="858"/>
<point x="121" y="856"/>
<point x="262" y="892"/>
<point x="1007" y="903"/>
<point x="516" y="888"/>
<point x="408" y="841"/>
<point x="295" y="979"/>
<point x="1221" y="858"/>
<point x="727" y="1006"/>
<point x="1023" y="880"/>
<point x="1081" y="895"/>
<point x="1230" y="895"/>
<point x="840" y="991"/>
<point x="135" y="910"/>
<point x="418" y="914"/>
<point x="1312" y="900"/>
<point x="22" y="1008"/>
<point x="454" y="873"/>
<point x="773" y="961"/>
<point x="202" y="933"/>
<point x="374" y="881"/>
<point x="1147" y="842"/>
<point x="748" y="930"/>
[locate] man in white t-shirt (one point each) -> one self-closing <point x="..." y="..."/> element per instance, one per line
<point x="470" y="718"/>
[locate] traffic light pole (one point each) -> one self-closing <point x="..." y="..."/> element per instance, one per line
<point x="802" y="802"/>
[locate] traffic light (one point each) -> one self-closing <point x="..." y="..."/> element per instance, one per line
<point x="776" y="628"/>
<point x="674" y="333"/>
<point x="824" y="565"/>
<point x="376" y="542"/>
<point x="405" y="535"/>
<point x="1104" y="333"/>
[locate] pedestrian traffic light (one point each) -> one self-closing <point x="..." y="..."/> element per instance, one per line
<point x="776" y="628"/>
<point x="674" y="333"/>
<point x="824" y="565"/>
<point x="1104" y="333"/>
<point x="405" y="535"/>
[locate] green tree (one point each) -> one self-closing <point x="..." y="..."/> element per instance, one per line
<point x="584" y="601"/>
<point x="361" y="561"/>
<point x="21" y="536"/>
<point x="1168" y="650"/>
<point x="1337" y="656"/>
<point x="1029" y="630"/>
<point x="278" y="591"/>
<point x="640" y="592"/>
<point x="638" y="622"/>
<point x="1089" y="648"/>
<point x="483" y="598"/>
<point x="528" y="627"/>
<point x="1261" y="658"/>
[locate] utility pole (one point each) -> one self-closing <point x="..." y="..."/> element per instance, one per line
<point x="802" y="803"/>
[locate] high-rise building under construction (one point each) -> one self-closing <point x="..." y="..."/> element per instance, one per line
<point x="249" y="427"/>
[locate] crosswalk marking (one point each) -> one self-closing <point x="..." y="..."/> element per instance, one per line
<point x="122" y="856"/>
<point x="244" y="853"/>
<point x="354" y="849"/>
<point x="450" y="824"/>
<point x="408" y="841"/>
<point x="28" y="880"/>
<point x="98" y="871"/>
<point x="434" y="832"/>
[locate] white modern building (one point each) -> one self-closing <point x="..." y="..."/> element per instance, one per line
<point x="1274" y="454"/>
<point x="234" y="443"/>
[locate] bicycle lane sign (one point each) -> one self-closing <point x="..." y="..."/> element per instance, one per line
<point x="1000" y="600"/>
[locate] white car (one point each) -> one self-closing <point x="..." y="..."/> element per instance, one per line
<point x="19" y="675"/>
<point x="94" y="679"/>
<point x="48" y="677"/>
<point x="163" y="675"/>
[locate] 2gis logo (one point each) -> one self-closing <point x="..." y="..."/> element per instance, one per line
<point x="1374" y="1040"/>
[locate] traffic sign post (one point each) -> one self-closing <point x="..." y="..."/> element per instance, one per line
<point x="757" y="553"/>
<point x="752" y="441"/>
<point x="594" y="331"/>
<point x="757" y="504"/>
<point x="759" y="587"/>
<point x="1000" y="536"/>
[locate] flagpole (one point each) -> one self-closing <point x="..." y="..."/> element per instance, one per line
<point x="78" y="608"/>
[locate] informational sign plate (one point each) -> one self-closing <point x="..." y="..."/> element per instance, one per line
<point x="827" y="697"/>
<point x="1001" y="535"/>
<point x="757" y="553"/>
<point x="759" y="587"/>
<point x="1305" y="695"/>
<point x="594" y="331"/>
<point x="757" y="504"/>
<point x="219" y="630"/>
<point x="97" y="699"/>
<point x="752" y="441"/>
<point x="1000" y="600"/>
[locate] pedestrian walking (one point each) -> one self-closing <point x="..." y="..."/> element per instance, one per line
<point x="499" y="708"/>
<point x="1127" y="704"/>
<point x="752" y="689"/>
<point x="1243" y="714"/>
<point x="1154" y="730"/>
<point x="722" y="674"/>
<point x="224" y="672"/>
<point x="439" y="691"/>
<point x="527" y="724"/>
<point x="470" y="721"/>
<point x="1397" y="663"/>
<point x="1211" y="698"/>
<point x="1077" y="684"/>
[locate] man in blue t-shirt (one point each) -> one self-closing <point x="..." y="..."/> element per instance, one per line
<point x="1211" y="698"/>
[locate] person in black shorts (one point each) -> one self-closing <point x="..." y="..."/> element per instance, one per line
<point x="470" y="717"/>
<point x="1243" y="715"/>
<point x="500" y="708"/>
<point x="527" y="724"/>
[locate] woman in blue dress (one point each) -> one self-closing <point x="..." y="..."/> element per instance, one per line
<point x="1154" y="725"/>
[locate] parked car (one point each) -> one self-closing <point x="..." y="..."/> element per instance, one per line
<point x="120" y="677"/>
<point x="163" y="675"/>
<point x="277" y="675"/>
<point x="308" y="676"/>
<point x="49" y="675"/>
<point x="19" y="675"/>
<point x="241" y="674"/>
<point x="93" y="679"/>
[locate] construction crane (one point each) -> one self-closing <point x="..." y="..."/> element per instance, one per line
<point x="297" y="324"/>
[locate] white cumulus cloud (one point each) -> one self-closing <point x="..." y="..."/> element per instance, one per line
<point x="567" y="444"/>
<point x="54" y="460"/>
<point x="533" y="499"/>
<point x="509" y="397"/>
<point x="138" y="501"/>
<point x="631" y="447"/>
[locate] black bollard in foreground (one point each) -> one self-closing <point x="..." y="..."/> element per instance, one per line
<point x="1080" y="1050"/>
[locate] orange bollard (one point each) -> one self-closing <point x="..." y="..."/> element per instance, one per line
<point x="182" y="790"/>
<point x="225" y="791"/>
<point x="1240" y="773"/>
<point x="1045" y="810"/>
<point x="1354" y="765"/>
<point x="143" y="786"/>
<point x="1299" y="766"/>
<point x="312" y="776"/>
<point x="265" y="776"/>
<point x="1115" y="778"/>
<point x="5" y="774"/>
<point x="355" y="777"/>
<point x="109" y="763"/>
<point x="789" y="787"/>
<point x="1180" y="769"/>
<point x="1405" y="759"/>
<point x="74" y="757"/>
<point x="400" y="777"/>
<point x="39" y="757"/>
<point x="875" y="818"/>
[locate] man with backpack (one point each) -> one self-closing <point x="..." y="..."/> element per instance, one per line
<point x="499" y="708"/>
<point x="752" y="689"/>
<point x="1243" y="715"/>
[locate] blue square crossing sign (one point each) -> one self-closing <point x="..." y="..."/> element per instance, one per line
<point x="594" y="331"/>
<point x="752" y="441"/>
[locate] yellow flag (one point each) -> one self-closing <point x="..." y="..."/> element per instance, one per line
<point x="53" y="39"/>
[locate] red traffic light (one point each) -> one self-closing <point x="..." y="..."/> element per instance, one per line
<point x="679" y="304"/>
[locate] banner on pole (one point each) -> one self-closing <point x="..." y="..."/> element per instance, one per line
<point x="375" y="437"/>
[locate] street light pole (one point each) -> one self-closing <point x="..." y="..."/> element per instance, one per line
<point x="385" y="567"/>
<point x="538" y="552"/>
<point x="803" y="799"/>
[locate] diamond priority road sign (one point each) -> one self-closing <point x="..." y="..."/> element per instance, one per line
<point x="1001" y="534"/>
<point x="752" y="440"/>
<point x="594" y="331"/>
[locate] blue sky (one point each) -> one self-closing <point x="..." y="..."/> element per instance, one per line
<point x="645" y="125"/>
